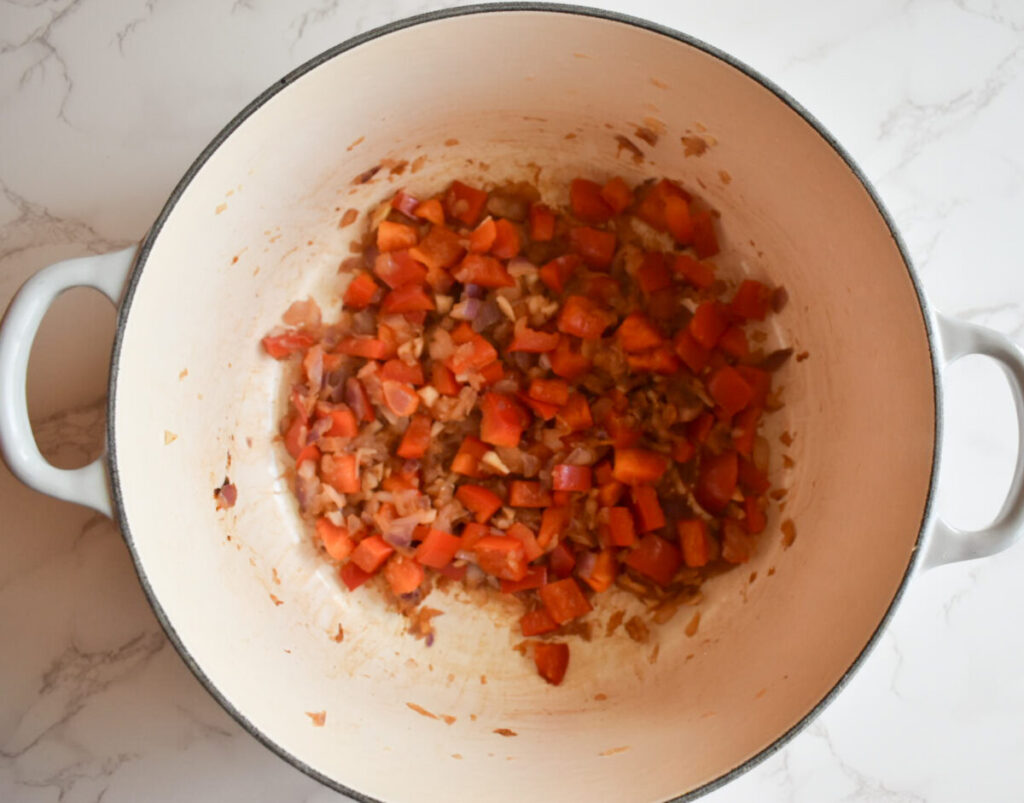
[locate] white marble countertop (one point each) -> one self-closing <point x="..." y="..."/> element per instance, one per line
<point x="104" y="104"/>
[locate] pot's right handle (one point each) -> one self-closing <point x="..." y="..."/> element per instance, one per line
<point x="87" y="485"/>
<point x="948" y="544"/>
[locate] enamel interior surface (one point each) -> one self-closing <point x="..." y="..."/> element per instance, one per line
<point x="258" y="228"/>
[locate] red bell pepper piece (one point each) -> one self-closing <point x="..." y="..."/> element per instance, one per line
<point x="564" y="600"/>
<point x="479" y="501"/>
<point x="656" y="558"/>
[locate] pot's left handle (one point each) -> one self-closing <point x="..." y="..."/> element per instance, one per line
<point x="948" y="544"/>
<point x="87" y="485"/>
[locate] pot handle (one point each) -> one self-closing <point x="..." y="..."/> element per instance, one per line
<point x="948" y="544"/>
<point x="87" y="485"/>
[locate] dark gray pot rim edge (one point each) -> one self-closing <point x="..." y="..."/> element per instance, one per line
<point x="420" y="19"/>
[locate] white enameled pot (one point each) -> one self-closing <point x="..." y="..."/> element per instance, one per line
<point x="490" y="93"/>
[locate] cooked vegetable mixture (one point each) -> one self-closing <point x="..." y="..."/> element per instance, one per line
<point x="546" y="402"/>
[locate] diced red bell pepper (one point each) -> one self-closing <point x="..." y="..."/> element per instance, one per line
<point x="647" y="509"/>
<point x="482" y="238"/>
<point x="602" y="289"/>
<point x="370" y="348"/>
<point x="575" y="413"/>
<point x="760" y="382"/>
<point x="401" y="398"/>
<point x="602" y="572"/>
<point x="502" y="419"/>
<point x="567" y="361"/>
<point x="730" y="390"/>
<point x="542" y="223"/>
<point x="709" y="323"/>
<point x="467" y="459"/>
<point x="506" y="242"/>
<point x="527" y="493"/>
<point x="561" y="498"/>
<point x="536" y="576"/>
<point x="537" y="623"/>
<point x="692" y="353"/>
<point x="678" y="220"/>
<point x="755" y="520"/>
<point x="695" y="542"/>
<point x="408" y="298"/>
<point x="398" y="268"/>
<point x="637" y="333"/>
<point x="430" y="210"/>
<point x="416" y="438"/>
<point x="622" y="429"/>
<point x="652" y="206"/>
<point x="564" y="600"/>
<point x="371" y="553"/>
<point x="336" y="540"/>
<point x="472" y="533"/>
<point x="617" y="194"/>
<point x="352" y="576"/>
<point x="395" y="236"/>
<point x="473" y="352"/>
<point x="553" y="523"/>
<point x="532" y="341"/>
<point x="582" y="318"/>
<point x="341" y="472"/>
<point x="343" y="424"/>
<point x="479" y="501"/>
<point x="656" y="558"/>
<point x="401" y="371"/>
<point x="485" y="271"/>
<point x="700" y="274"/>
<point x="440" y="249"/>
<point x="552" y="661"/>
<point x="403" y="574"/>
<point x="281" y="346"/>
<point x="751" y="478"/>
<point x="438" y="549"/>
<point x="464" y="203"/>
<point x="621" y="527"/>
<point x="639" y="466"/>
<point x="745" y="430"/>
<point x="552" y="391"/>
<point x="652" y="275"/>
<point x="734" y="342"/>
<point x="570" y="478"/>
<point x="501" y="556"/>
<point x="586" y="202"/>
<point x="661" y="360"/>
<point x="311" y="452"/>
<point x="752" y="301"/>
<point x="683" y="451"/>
<point x="562" y="560"/>
<point x="556" y="273"/>
<point x="545" y="410"/>
<point x="610" y="493"/>
<point x="360" y="292"/>
<point x="443" y="380"/>
<point x="716" y="481"/>
<point x="705" y="241"/>
<point x="596" y="247"/>
<point x="531" y="548"/>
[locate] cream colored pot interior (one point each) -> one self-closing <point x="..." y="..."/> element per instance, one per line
<point x="487" y="97"/>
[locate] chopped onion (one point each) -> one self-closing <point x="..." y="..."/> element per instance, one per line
<point x="488" y="315"/>
<point x="474" y="291"/>
<point x="581" y="456"/>
<point x="318" y="430"/>
<point x="520" y="266"/>
<point x="303" y="313"/>
<point x="466" y="310"/>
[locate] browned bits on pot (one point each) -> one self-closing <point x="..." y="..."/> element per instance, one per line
<point x="648" y="136"/>
<point x="226" y="495"/>
<point x="693" y="145"/>
<point x="788" y="533"/>
<point x="637" y="630"/>
<point x="366" y="175"/>
<point x="340" y="635"/>
<point x="318" y="718"/>
<point x="505" y="732"/>
<point x="614" y="621"/>
<point x="626" y="144"/>
<point x="692" y="625"/>
<point x="348" y="218"/>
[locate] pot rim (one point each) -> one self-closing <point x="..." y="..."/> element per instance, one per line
<point x="559" y="8"/>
